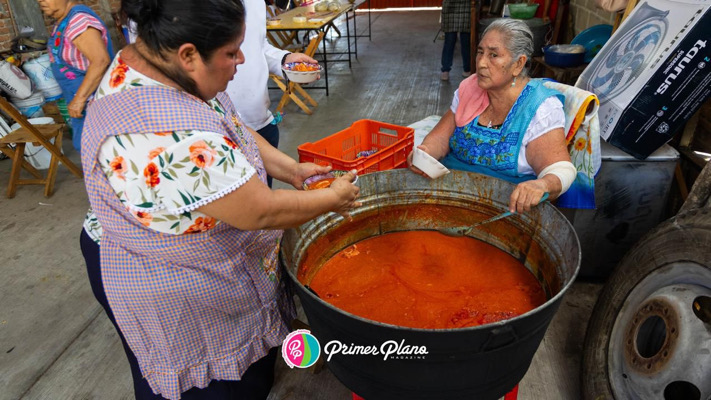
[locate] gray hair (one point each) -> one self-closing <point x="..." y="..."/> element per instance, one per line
<point x="518" y="38"/>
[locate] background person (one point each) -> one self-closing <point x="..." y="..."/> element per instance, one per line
<point x="504" y="124"/>
<point x="248" y="90"/>
<point x="456" y="19"/>
<point x="79" y="52"/>
<point x="188" y="254"/>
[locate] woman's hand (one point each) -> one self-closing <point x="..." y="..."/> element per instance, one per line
<point x="305" y="170"/>
<point x="299" y="57"/>
<point x="526" y="195"/>
<point x="414" y="168"/>
<point x="76" y="107"/>
<point x="347" y="194"/>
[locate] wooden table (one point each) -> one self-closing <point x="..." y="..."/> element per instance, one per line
<point x="320" y="21"/>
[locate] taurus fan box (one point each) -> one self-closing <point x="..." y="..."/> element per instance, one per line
<point x="653" y="74"/>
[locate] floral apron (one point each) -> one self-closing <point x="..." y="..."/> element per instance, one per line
<point x="192" y="307"/>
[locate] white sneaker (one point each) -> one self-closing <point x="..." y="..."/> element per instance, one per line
<point x="466" y="74"/>
<point x="444" y="76"/>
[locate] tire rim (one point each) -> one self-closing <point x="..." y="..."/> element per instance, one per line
<point x="660" y="346"/>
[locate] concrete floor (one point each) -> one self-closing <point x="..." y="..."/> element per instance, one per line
<point x="56" y="342"/>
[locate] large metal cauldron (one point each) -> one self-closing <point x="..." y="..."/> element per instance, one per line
<point x="483" y="362"/>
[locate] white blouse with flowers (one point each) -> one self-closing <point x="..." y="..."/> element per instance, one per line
<point x="196" y="167"/>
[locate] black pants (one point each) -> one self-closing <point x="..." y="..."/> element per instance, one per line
<point x="271" y="134"/>
<point x="255" y="383"/>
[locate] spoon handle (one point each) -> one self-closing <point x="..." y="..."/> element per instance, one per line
<point x="505" y="214"/>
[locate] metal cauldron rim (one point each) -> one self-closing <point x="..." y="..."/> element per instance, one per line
<point x="549" y="302"/>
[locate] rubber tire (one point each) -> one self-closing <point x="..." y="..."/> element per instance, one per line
<point x="685" y="237"/>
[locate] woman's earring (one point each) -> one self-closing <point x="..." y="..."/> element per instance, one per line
<point x="514" y="82"/>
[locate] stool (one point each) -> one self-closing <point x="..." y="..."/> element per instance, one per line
<point x="13" y="146"/>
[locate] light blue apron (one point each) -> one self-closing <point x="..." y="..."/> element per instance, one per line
<point x="68" y="77"/>
<point x="494" y="152"/>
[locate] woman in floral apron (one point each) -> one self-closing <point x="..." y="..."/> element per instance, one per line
<point x="79" y="51"/>
<point x="191" y="231"/>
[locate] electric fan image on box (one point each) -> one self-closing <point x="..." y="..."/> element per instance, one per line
<point x="623" y="60"/>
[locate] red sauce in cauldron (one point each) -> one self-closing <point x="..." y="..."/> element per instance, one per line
<point x="423" y="279"/>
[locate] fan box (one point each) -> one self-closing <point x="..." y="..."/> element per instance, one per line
<point x="653" y="74"/>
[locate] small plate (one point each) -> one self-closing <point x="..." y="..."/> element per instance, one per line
<point x="311" y="183"/>
<point x="301" y="76"/>
<point x="428" y="164"/>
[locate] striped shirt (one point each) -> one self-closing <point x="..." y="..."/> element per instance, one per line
<point x="77" y="25"/>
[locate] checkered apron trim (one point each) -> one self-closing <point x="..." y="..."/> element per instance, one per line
<point x="193" y="307"/>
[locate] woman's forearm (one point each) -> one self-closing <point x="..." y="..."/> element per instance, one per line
<point x="91" y="45"/>
<point x="254" y="206"/>
<point x="283" y="209"/>
<point x="92" y="79"/>
<point x="437" y="141"/>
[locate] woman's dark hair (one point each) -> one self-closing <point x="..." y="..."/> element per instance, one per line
<point x="165" y="25"/>
<point x="168" y="24"/>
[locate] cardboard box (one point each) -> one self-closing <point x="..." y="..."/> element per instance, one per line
<point x="653" y="74"/>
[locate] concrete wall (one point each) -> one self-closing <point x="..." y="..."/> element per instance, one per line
<point x="585" y="14"/>
<point x="8" y="30"/>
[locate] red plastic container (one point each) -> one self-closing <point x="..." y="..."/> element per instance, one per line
<point x="392" y="143"/>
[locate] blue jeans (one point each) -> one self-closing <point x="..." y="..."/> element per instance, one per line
<point x="77" y="125"/>
<point x="450" y="39"/>
<point x="271" y="134"/>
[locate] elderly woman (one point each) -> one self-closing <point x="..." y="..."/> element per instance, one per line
<point x="188" y="254"/>
<point x="79" y="51"/>
<point x="503" y="123"/>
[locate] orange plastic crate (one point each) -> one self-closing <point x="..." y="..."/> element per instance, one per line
<point x="392" y="142"/>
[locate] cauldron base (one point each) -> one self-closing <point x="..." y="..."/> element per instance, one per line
<point x="512" y="395"/>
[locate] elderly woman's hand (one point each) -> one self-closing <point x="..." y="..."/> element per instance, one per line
<point x="414" y="168"/>
<point x="306" y="170"/>
<point x="76" y="107"/>
<point x="347" y="194"/>
<point x="527" y="195"/>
